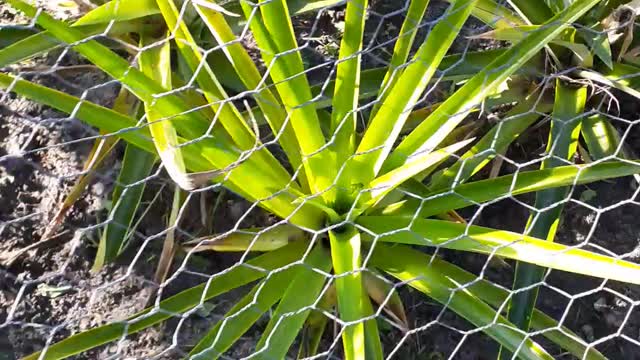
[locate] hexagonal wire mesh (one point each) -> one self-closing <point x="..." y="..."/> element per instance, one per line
<point x="319" y="179"/>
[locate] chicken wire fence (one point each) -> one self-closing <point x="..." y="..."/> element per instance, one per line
<point x="200" y="238"/>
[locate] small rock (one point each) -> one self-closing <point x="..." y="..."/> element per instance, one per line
<point x="85" y="323"/>
<point x="98" y="189"/>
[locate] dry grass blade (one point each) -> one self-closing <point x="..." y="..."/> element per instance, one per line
<point x="169" y="246"/>
<point x="101" y="148"/>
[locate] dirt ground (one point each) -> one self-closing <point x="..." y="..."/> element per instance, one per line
<point x="51" y="293"/>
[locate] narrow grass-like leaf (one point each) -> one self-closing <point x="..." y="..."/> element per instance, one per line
<point x="623" y="77"/>
<point x="95" y="22"/>
<point x="513" y="91"/>
<point x="598" y="41"/>
<point x="345" y="254"/>
<point x="251" y="78"/>
<point x="90" y="113"/>
<point x="272" y="29"/>
<point x="562" y="144"/>
<point x="155" y="62"/>
<point x="385" y="295"/>
<point x="303" y="6"/>
<point x="109" y="121"/>
<point x="254" y="239"/>
<point x="227" y="114"/>
<point x="189" y="123"/>
<point x="347" y="85"/>
<point x="292" y="311"/>
<point x="372" y="344"/>
<point x="448" y="115"/>
<point x="401" y="49"/>
<point x="42" y="42"/>
<point x="209" y="85"/>
<point x="136" y="166"/>
<point x="601" y="137"/>
<point x="495" y="141"/>
<point x="119" y="10"/>
<point x="421" y="164"/>
<point x="235" y="277"/>
<point x="101" y="148"/>
<point x="496" y="297"/>
<point x="92" y="23"/>
<point x="385" y="126"/>
<point x="192" y="123"/>
<point x="510" y="245"/>
<point x="534" y="13"/>
<point x="400" y="181"/>
<point x="312" y="333"/>
<point x="565" y="39"/>
<point x="12" y="34"/>
<point x="495" y="14"/>
<point x="455" y="67"/>
<point x="224" y="70"/>
<point x="169" y="245"/>
<point x="249" y="309"/>
<point x="296" y="7"/>
<point x="410" y="267"/>
<point x="316" y="324"/>
<point x="442" y="200"/>
<point x="132" y="9"/>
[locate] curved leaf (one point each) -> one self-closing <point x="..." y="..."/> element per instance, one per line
<point x="410" y="266"/>
<point x="119" y="10"/>
<point x="507" y="244"/>
<point x="601" y="137"/>
<point x="246" y="70"/>
<point x="623" y="77"/>
<point x="496" y="297"/>
<point x="136" y="167"/>
<point x="482" y="191"/>
<point x="421" y="164"/>
<point x="227" y="113"/>
<point x="271" y="26"/>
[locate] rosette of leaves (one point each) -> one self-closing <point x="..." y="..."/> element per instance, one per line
<point x="356" y="204"/>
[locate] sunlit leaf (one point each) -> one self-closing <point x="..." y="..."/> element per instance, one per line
<point x="510" y="245"/>
<point x="345" y="255"/>
<point x="410" y="266"/>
